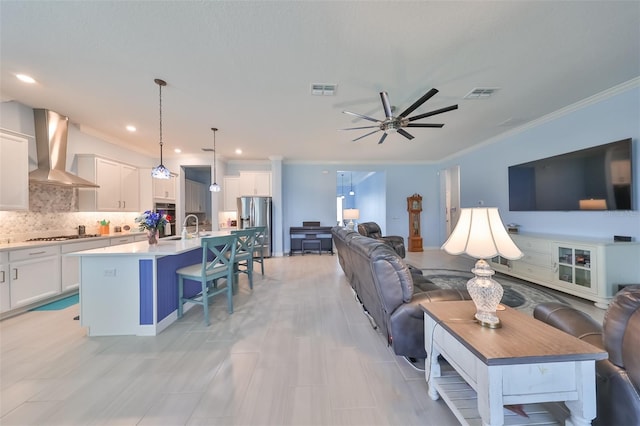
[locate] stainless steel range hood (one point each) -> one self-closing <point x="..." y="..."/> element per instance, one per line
<point x="51" y="143"/>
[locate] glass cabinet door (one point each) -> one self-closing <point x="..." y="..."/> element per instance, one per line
<point x="574" y="266"/>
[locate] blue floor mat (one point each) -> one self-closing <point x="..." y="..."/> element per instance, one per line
<point x="59" y="304"/>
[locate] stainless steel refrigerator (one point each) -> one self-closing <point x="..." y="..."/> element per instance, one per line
<point x="256" y="211"/>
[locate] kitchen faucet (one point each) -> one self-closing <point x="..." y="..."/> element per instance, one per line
<point x="184" y="226"/>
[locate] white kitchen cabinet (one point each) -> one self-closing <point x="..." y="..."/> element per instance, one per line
<point x="255" y="183"/>
<point x="5" y="290"/>
<point x="231" y="192"/>
<point x="70" y="265"/>
<point x="195" y="196"/>
<point x="119" y="185"/>
<point x="34" y="274"/>
<point x="146" y="189"/>
<point x="125" y="239"/>
<point x="589" y="268"/>
<point x="14" y="172"/>
<point x="165" y="189"/>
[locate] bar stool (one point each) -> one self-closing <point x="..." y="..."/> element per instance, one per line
<point x="218" y="260"/>
<point x="258" y="252"/>
<point x="243" y="263"/>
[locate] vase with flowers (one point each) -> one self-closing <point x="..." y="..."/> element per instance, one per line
<point x="151" y="221"/>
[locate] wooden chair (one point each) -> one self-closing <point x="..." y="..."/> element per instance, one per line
<point x="258" y="252"/>
<point x="246" y="239"/>
<point x="218" y="260"/>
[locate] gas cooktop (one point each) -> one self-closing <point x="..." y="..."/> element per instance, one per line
<point x="64" y="237"/>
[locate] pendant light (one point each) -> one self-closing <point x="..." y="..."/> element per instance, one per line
<point x="342" y="185"/>
<point x="160" y="171"/>
<point x="352" y="192"/>
<point x="214" y="186"/>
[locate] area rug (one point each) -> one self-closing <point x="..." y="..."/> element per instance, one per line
<point x="518" y="294"/>
<point x="59" y="304"/>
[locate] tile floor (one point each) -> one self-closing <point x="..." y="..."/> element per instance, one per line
<point x="296" y="351"/>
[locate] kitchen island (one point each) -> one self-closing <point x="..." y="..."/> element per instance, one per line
<point x="132" y="289"/>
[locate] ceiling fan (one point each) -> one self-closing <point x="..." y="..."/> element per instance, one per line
<point x="393" y="123"/>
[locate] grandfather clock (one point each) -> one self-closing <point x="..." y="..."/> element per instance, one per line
<point x="414" y="207"/>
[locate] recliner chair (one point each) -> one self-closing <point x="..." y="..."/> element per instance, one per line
<point x="617" y="378"/>
<point x="372" y="230"/>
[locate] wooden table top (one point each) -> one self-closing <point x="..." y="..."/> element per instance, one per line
<point x="521" y="339"/>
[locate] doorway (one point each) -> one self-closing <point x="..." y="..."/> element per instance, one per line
<point x="362" y="193"/>
<point x="197" y="197"/>
<point x="450" y="199"/>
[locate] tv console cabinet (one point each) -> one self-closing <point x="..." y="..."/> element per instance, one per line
<point x="590" y="268"/>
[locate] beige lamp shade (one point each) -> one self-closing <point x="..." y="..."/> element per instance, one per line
<point x="480" y="233"/>
<point x="351" y="214"/>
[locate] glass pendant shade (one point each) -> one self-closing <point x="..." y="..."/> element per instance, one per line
<point x="214" y="187"/>
<point x="351" y="192"/>
<point x="480" y="233"/>
<point x="160" y="171"/>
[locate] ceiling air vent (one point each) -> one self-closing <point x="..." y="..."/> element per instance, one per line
<point x="481" y="93"/>
<point x="323" y="89"/>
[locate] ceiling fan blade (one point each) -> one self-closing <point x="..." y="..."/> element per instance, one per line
<point x="361" y="116"/>
<point x="363" y="127"/>
<point x="405" y="134"/>
<point x="384" y="135"/>
<point x="424" y="125"/>
<point x="364" y="136"/>
<point x="419" y="102"/>
<point x="429" y="114"/>
<point x="386" y="105"/>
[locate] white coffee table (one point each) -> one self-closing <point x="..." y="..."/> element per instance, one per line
<point x="524" y="362"/>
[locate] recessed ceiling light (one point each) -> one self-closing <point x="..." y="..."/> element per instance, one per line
<point x="25" y="78"/>
<point x="177" y="150"/>
<point x="131" y="128"/>
<point x="238" y="151"/>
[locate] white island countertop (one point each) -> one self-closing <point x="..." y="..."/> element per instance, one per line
<point x="165" y="247"/>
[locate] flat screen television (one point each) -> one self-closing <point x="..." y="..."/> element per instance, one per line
<point x="597" y="178"/>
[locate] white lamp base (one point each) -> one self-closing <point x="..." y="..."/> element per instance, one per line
<point x="486" y="293"/>
<point x="351" y="225"/>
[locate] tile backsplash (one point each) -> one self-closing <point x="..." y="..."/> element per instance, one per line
<point x="54" y="211"/>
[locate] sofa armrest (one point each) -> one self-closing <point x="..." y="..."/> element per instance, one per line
<point x="624" y="407"/>
<point x="406" y="323"/>
<point x="571" y="321"/>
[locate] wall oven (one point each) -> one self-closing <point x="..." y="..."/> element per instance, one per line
<point x="170" y="210"/>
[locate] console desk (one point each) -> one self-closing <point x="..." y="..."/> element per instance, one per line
<point x="310" y="238"/>
<point x="524" y="362"/>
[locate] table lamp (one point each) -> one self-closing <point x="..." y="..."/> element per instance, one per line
<point x="351" y="214"/>
<point x="480" y="233"/>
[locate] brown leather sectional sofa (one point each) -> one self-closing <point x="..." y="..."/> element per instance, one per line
<point x="390" y="291"/>
<point x="617" y="378"/>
